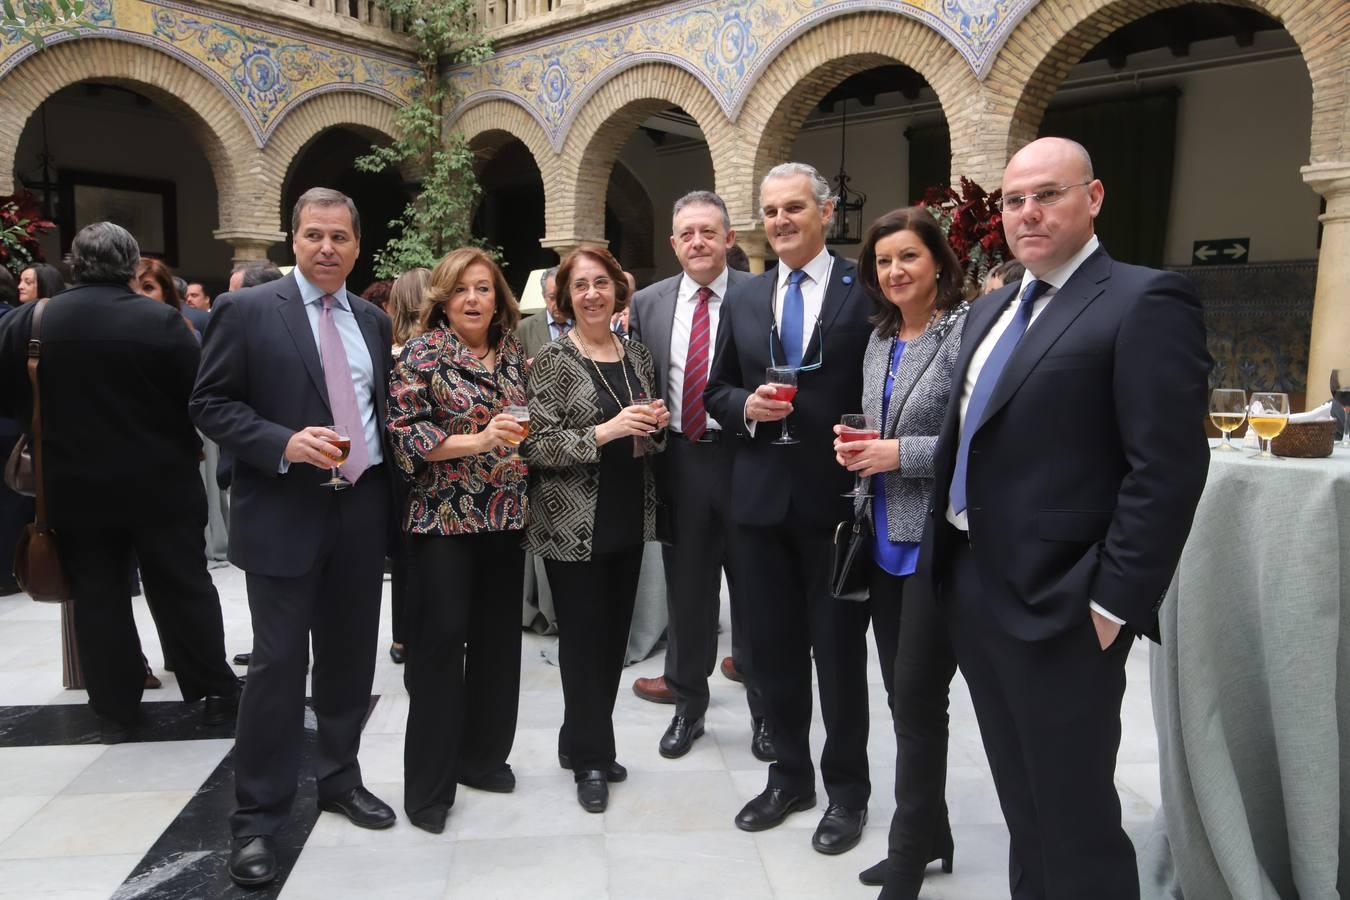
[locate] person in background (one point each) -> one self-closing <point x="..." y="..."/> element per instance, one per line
<point x="1009" y="272"/>
<point x="592" y="503"/>
<point x="537" y="330"/>
<point x="195" y="296"/>
<point x="40" y="280"/>
<point x="378" y="293"/>
<point x="154" y="280"/>
<point x="196" y="317"/>
<point x="253" y="273"/>
<point x="736" y="259"/>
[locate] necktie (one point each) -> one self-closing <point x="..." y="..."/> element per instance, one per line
<point x="984" y="386"/>
<point x="790" y="333"/>
<point x="693" y="417"/>
<point x="563" y="329"/>
<point x="337" y="376"/>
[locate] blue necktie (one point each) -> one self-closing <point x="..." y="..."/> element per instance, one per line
<point x="984" y="386"/>
<point x="790" y="332"/>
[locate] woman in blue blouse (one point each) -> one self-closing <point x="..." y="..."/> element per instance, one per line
<point x="914" y="280"/>
<point x="464" y="519"/>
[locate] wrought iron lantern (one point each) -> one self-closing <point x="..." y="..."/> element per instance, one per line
<point x="847" y="225"/>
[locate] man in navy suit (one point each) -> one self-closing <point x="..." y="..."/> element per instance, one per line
<point x="1068" y="470"/>
<point x="809" y="314"/>
<point x="284" y="364"/>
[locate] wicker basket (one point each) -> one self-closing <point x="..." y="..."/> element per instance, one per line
<point x="1305" y="440"/>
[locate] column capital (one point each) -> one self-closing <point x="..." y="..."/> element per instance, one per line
<point x="565" y="244"/>
<point x="1327" y="178"/>
<point x="249" y="245"/>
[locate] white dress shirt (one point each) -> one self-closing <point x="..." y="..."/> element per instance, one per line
<point x="813" y="288"/>
<point x="1056" y="279"/>
<point x="686" y="301"/>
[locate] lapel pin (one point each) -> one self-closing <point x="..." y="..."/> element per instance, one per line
<point x="847" y="279"/>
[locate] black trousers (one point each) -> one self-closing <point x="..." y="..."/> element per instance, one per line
<point x="337" y="603"/>
<point x="789" y="618"/>
<point x="594" y="603"/>
<point x="1049" y="714"/>
<point x="917" y="664"/>
<point x="173" y="567"/>
<point x="699" y="489"/>
<point x="400" y="586"/>
<point x="463" y="667"/>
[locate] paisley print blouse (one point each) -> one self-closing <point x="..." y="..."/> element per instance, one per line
<point x="439" y="388"/>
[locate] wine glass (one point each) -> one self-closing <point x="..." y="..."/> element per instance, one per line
<point x="1227" y="410"/>
<point x="522" y="416"/>
<point x="344" y="446"/>
<point x="784" y="381"/>
<point x="1267" y="414"/>
<point x="858" y="427"/>
<point x="1340" y="393"/>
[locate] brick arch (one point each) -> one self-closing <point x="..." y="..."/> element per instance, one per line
<point x="490" y="124"/>
<point x="606" y="122"/>
<point x="817" y="60"/>
<point x="208" y="111"/>
<point x="629" y="201"/>
<point x="1053" y="37"/>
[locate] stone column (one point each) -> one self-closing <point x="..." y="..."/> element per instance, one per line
<point x="1330" y="343"/>
<point x="249" y="245"/>
<point x="565" y="244"/>
<point x="751" y="239"/>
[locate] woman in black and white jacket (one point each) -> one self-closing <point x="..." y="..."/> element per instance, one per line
<point x="914" y="280"/>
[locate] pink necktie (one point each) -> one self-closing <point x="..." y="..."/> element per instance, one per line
<point x="693" y="417"/>
<point x="337" y="376"/>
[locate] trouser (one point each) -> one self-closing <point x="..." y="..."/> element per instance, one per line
<point x="463" y="667"/>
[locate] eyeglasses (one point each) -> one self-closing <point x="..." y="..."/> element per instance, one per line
<point x="581" y="286"/>
<point x="1044" y="197"/>
<point x="820" y="342"/>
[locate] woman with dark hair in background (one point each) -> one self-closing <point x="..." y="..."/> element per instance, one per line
<point x="378" y="293"/>
<point x="155" y="280"/>
<point x="914" y="281"/>
<point x="40" y="280"/>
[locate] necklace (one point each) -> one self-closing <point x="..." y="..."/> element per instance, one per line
<point x="623" y="359"/>
<point x="895" y="371"/>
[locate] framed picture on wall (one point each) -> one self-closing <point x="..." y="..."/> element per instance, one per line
<point x="146" y="207"/>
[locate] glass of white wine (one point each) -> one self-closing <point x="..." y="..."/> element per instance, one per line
<point x="1227" y="410"/>
<point x="1267" y="414"/>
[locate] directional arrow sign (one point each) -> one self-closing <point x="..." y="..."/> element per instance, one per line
<point x="1221" y="251"/>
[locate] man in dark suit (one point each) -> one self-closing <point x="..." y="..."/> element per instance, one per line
<point x="285" y="364"/>
<point x="120" y="475"/>
<point x="677" y="320"/>
<point x="809" y="314"/>
<point x="1067" y="473"/>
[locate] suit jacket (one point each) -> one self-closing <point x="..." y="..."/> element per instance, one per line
<point x="116" y="372"/>
<point x="199" y="318"/>
<point x="563" y="457"/>
<point x="798" y="484"/>
<point x="1091" y="456"/>
<point x="533" y="333"/>
<point x="260" y="382"/>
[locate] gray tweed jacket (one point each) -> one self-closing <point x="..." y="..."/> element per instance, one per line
<point x="918" y="405"/>
<point x="562" y="454"/>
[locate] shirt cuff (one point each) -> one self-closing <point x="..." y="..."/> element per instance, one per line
<point x="1095" y="607"/>
<point x="284" y="466"/>
<point x="749" y="425"/>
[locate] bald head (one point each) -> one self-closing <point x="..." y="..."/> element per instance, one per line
<point x="1046" y="233"/>
<point x="1069" y="152"/>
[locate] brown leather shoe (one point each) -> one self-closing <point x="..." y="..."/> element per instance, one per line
<point x="653" y="689"/>
<point x="729" y="670"/>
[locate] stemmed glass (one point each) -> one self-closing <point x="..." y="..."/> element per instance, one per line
<point x="1267" y="414"/>
<point x="858" y="427"/>
<point x="784" y="381"/>
<point x="1227" y="410"/>
<point x="1340" y="392"/>
<point x="522" y="416"/>
<point x="344" y="446"/>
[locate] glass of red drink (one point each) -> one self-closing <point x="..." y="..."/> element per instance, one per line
<point x="783" y="379"/>
<point x="854" y="427"/>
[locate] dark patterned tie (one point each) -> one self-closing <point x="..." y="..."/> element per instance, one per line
<point x="693" y="417"/>
<point x="337" y="376"/>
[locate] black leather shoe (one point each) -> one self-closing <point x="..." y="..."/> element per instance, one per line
<point x="499" y="781"/>
<point x="242" y="659"/>
<point x="111" y="731"/>
<point x="432" y="820"/>
<point x="253" y="860"/>
<point x="614" y="774"/>
<point x="361" y="807"/>
<point x="839" y="830"/>
<point x="770" y="808"/>
<point x="220" y="709"/>
<point x="592" y="790"/>
<point x="761" y="740"/>
<point x="679" y="737"/>
<point x="398" y="653"/>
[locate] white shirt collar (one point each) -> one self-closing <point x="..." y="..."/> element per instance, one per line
<point x="311" y="294"/>
<point x="818" y="269"/>
<point x="689" y="287"/>
<point x="1057" y="278"/>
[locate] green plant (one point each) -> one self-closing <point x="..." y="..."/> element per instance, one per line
<point x="36" y="20"/>
<point x="438" y="218"/>
<point x="20" y="225"/>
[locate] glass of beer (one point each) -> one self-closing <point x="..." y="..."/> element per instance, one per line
<point x="522" y="416"/>
<point x="1267" y="415"/>
<point x="1340" y="393"/>
<point x="344" y="446"/>
<point x="858" y="427"/>
<point x="784" y="382"/>
<point x="641" y="444"/>
<point x="1227" y="410"/>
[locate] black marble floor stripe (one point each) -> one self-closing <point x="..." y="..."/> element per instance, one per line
<point x="189" y="859"/>
<point x="76" y="723"/>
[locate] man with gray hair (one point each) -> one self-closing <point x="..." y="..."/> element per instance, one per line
<point x="810" y="318"/>
<point x="117" y="371"/>
<point x="540" y="328"/>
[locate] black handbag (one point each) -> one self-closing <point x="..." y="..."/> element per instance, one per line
<point x="849" y="571"/>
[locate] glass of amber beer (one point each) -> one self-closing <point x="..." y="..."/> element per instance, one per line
<point x="1267" y="415"/>
<point x="522" y="416"/>
<point x="344" y="446"/>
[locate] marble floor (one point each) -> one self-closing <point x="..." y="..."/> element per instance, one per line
<point x="146" y="819"/>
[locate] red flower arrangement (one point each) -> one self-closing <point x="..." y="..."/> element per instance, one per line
<point x="973" y="225"/>
<point x="21" y="223"/>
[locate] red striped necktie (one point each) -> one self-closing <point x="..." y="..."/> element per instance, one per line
<point x="693" y="417"/>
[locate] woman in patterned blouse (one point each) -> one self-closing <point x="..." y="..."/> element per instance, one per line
<point x="464" y="516"/>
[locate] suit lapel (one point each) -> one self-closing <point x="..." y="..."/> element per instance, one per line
<point x="1084" y="286"/>
<point x="663" y="329"/>
<point x="767" y="321"/>
<point x="842" y="276"/>
<point x="370" y="330"/>
<point x="292" y="310"/>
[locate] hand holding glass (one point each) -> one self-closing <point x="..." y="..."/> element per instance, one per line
<point x="1267" y="415"/>
<point x="784" y="382"/>
<point x="858" y="427"/>
<point x="344" y="447"/>
<point x="1227" y="410"/>
<point x="522" y="416"/>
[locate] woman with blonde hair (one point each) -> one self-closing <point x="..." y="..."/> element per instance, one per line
<point x="453" y="436"/>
